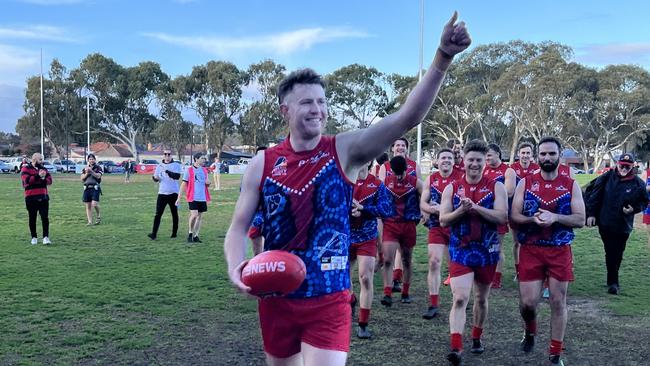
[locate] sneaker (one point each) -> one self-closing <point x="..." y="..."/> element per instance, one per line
<point x="397" y="286"/>
<point x="190" y="238"/>
<point x="173" y="235"/>
<point x="613" y="289"/>
<point x="527" y="343"/>
<point x="196" y="239"/>
<point x="89" y="223"/>
<point x="46" y="241"/>
<point x="454" y="358"/>
<point x="447" y="281"/>
<point x="406" y="299"/>
<point x="546" y="293"/>
<point x="34" y="241"/>
<point x="430" y="313"/>
<point x="555" y="360"/>
<point x="98" y="221"/>
<point x="151" y="236"/>
<point x="477" y="346"/>
<point x="363" y="332"/>
<point x="387" y="301"/>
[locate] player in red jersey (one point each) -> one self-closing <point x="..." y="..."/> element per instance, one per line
<point x="400" y="228"/>
<point x="304" y="186"/>
<point x="546" y="207"/>
<point x="438" y="236"/>
<point x="645" y="176"/>
<point x="523" y="168"/>
<point x="472" y="207"/>
<point x="499" y="171"/>
<point x="399" y="148"/>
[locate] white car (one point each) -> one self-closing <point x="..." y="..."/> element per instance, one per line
<point x="15" y="163"/>
<point x="49" y="166"/>
<point x="64" y="166"/>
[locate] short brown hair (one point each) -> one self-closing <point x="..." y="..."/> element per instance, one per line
<point x="476" y="145"/>
<point x="302" y="76"/>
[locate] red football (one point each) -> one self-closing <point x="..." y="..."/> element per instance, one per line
<point x="275" y="272"/>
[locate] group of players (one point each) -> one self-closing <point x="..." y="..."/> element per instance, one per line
<point x="315" y="198"/>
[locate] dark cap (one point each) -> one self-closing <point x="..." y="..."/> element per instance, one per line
<point x="627" y="158"/>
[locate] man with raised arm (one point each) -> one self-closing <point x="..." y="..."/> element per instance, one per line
<point x="546" y="207"/>
<point x="304" y="186"/>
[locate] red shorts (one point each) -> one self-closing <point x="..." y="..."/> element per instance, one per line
<point x="537" y="262"/>
<point x="403" y="233"/>
<point x="646" y="219"/>
<point x="367" y="248"/>
<point x="502" y="229"/>
<point x="323" y="322"/>
<point x="254" y="232"/>
<point x="439" y="235"/>
<point x="484" y="274"/>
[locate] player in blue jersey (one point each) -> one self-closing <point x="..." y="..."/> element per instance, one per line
<point x="304" y="187"/>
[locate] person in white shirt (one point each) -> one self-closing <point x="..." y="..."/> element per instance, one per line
<point x="216" y="173"/>
<point x="166" y="175"/>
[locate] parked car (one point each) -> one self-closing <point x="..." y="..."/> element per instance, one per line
<point x="110" y="167"/>
<point x="146" y="166"/>
<point x="5" y="167"/>
<point x="64" y="166"/>
<point x="577" y="171"/>
<point x="15" y="163"/>
<point x="50" y="167"/>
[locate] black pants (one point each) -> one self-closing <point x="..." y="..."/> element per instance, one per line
<point x="164" y="200"/>
<point x="35" y="207"/>
<point x="614" y="243"/>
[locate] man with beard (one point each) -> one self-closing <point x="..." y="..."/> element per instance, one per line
<point x="166" y="175"/>
<point x="546" y="208"/>
<point x="438" y="236"/>
<point x="472" y="207"/>
<point x="457" y="147"/>
<point x="399" y="148"/>
<point x="612" y="200"/>
<point x="35" y="179"/>
<point x="523" y="168"/>
<point x="497" y="170"/>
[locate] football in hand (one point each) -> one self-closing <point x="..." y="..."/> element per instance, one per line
<point x="274" y="273"/>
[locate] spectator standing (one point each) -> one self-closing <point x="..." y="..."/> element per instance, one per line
<point x="35" y="180"/>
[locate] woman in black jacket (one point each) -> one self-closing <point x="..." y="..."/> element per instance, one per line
<point x="611" y="202"/>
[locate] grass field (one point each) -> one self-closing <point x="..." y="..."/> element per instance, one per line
<point x="107" y="295"/>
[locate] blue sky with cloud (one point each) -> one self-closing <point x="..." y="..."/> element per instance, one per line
<point x="324" y="35"/>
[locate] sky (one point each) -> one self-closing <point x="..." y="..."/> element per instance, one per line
<point x="324" y="35"/>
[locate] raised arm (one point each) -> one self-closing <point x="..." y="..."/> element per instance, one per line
<point x="247" y="204"/>
<point x="355" y="148"/>
<point x="510" y="182"/>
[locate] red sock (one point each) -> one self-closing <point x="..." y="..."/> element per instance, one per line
<point x="397" y="275"/>
<point x="405" y="288"/>
<point x="476" y="332"/>
<point x="434" y="300"/>
<point x="556" y="348"/>
<point x="364" y="316"/>
<point x="497" y="277"/>
<point x="456" y="341"/>
<point x="531" y="326"/>
<point x="388" y="291"/>
<point x="353" y="299"/>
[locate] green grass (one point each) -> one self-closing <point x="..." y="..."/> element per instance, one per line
<point x="108" y="295"/>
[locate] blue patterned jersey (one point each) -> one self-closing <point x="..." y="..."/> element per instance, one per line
<point x="473" y="241"/>
<point x="306" y="202"/>
<point x="375" y="199"/>
<point x="437" y="185"/>
<point x="647" y="183"/>
<point x="551" y="195"/>
<point x="405" y="198"/>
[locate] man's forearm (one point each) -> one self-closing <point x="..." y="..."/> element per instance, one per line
<point x="574" y="220"/>
<point x="492" y="215"/>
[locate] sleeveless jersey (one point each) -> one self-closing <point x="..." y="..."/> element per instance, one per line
<point x="647" y="183"/>
<point x="405" y="200"/>
<point x="411" y="168"/>
<point x="564" y="170"/>
<point x="437" y="184"/>
<point x="473" y="241"/>
<point x="522" y="172"/>
<point x="497" y="174"/>
<point x="460" y="166"/>
<point x="258" y="220"/>
<point x="306" y="200"/>
<point x="553" y="196"/>
<point x="375" y="199"/>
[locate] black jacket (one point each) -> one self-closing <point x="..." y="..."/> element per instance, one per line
<point x="606" y="196"/>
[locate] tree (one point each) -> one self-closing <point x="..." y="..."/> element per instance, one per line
<point x="124" y="97"/>
<point x="261" y="121"/>
<point x="214" y="91"/>
<point x="173" y="129"/>
<point x="355" y="92"/>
